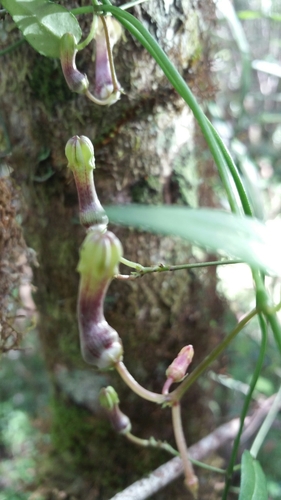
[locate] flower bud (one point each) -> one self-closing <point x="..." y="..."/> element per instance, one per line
<point x="81" y="160"/>
<point x="76" y="81"/>
<point x="99" y="258"/>
<point x="110" y="402"/>
<point x="80" y="154"/>
<point x="177" y="369"/>
<point x="100" y="255"/>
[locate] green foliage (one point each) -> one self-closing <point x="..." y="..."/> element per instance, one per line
<point x="253" y="482"/>
<point x="242" y="237"/>
<point x="43" y="23"/>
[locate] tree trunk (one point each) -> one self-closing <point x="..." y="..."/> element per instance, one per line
<point x="147" y="150"/>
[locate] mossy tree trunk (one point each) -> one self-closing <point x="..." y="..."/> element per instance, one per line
<point x="147" y="150"/>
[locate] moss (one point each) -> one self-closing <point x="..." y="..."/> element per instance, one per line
<point x="147" y="190"/>
<point x="47" y="81"/>
<point x="79" y="437"/>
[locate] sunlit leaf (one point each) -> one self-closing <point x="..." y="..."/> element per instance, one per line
<point x="43" y="23"/>
<point x="253" y="482"/>
<point x="241" y="237"/>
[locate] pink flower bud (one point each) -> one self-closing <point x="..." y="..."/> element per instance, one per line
<point x="177" y="369"/>
<point x="77" y="82"/>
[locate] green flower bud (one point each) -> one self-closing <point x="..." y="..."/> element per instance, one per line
<point x="79" y="152"/>
<point x="110" y="402"/>
<point x="100" y="255"/>
<point x="77" y="82"/>
<point x="108" y="398"/>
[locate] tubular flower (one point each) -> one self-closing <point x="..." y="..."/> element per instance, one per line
<point x="77" y="82"/>
<point x="99" y="258"/>
<point x="81" y="160"/>
<point x="107" y="87"/>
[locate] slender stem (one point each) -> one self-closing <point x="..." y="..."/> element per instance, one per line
<point x="82" y="10"/>
<point x="163" y="268"/>
<point x="266" y="425"/>
<point x="132" y="264"/>
<point x="136" y="387"/>
<point x="188" y="381"/>
<point x="190" y="478"/>
<point x="151" y="442"/>
<point x="246" y="404"/>
<point x="91" y="34"/>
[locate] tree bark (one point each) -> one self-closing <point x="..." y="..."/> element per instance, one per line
<point x="147" y="150"/>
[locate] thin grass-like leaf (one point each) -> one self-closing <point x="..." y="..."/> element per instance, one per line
<point x="241" y="237"/>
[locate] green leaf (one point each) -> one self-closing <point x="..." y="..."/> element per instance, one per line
<point x="253" y="482"/>
<point x="43" y="23"/>
<point x="241" y="237"/>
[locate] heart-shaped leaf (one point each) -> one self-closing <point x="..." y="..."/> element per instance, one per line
<point x="253" y="482"/>
<point x="43" y="23"/>
<point x="241" y="237"/>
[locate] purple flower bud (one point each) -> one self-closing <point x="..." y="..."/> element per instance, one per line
<point x="110" y="402"/>
<point x="77" y="82"/>
<point x="177" y="369"/>
<point x="81" y="160"/>
<point x="99" y="258"/>
<point x="107" y="88"/>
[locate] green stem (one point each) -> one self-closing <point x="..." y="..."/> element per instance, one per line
<point x="91" y="34"/>
<point x="130" y="263"/>
<point x="152" y="443"/>
<point x="246" y="404"/>
<point x="162" y="268"/>
<point x="82" y="10"/>
<point x="177" y="394"/>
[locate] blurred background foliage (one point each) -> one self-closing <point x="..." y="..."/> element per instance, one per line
<point x="247" y="71"/>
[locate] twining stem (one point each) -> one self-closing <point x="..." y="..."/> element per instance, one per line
<point x="246" y="404"/>
<point x="132" y="264"/>
<point x="188" y="381"/>
<point x="136" y="387"/>
<point x="91" y="34"/>
<point x="141" y="270"/>
<point x="154" y="443"/>
<point x="151" y="442"/>
<point x="190" y="478"/>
